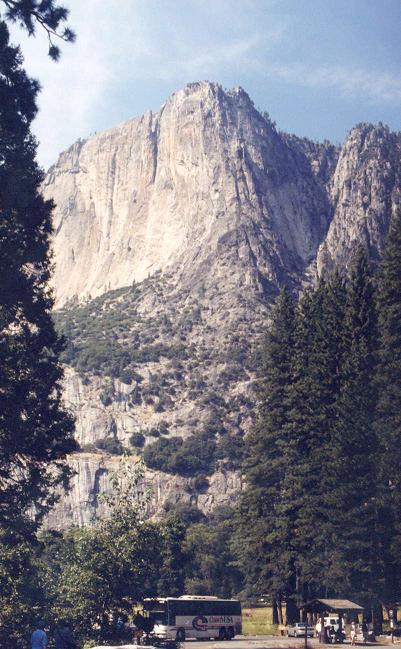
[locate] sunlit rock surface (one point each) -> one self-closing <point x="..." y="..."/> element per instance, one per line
<point x="208" y="210"/>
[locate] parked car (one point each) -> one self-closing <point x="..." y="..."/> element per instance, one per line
<point x="332" y="622"/>
<point x="297" y="630"/>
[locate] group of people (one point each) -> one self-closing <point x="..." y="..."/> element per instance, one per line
<point x="357" y="629"/>
<point x="334" y="633"/>
<point x="63" y="637"/>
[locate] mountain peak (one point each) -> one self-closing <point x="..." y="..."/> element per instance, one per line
<point x="165" y="189"/>
<point x="209" y="91"/>
<point x="196" y="215"/>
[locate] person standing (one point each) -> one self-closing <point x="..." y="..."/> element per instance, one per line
<point x="364" y="630"/>
<point x="120" y="627"/>
<point x="138" y="622"/>
<point x="353" y="633"/>
<point x="39" y="637"/>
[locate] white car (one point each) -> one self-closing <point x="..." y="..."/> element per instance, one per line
<point x="332" y="622"/>
<point x="297" y="630"/>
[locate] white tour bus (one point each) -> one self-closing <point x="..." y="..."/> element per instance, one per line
<point x="192" y="616"/>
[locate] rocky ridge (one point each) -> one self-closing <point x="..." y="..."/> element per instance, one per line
<point x="174" y="232"/>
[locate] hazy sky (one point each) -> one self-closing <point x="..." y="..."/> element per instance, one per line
<point x="317" y="66"/>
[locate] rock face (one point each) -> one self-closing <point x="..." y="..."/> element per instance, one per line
<point x="170" y="190"/>
<point x="364" y="190"/>
<point x="173" y="234"/>
<point x="81" y="504"/>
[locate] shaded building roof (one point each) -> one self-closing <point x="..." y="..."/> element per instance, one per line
<point x="331" y="606"/>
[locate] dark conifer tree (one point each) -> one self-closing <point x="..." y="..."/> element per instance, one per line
<point x="35" y="429"/>
<point x="354" y="444"/>
<point x="323" y="503"/>
<point x="263" y="539"/>
<point x="171" y="573"/>
<point x="46" y="13"/>
<point x="388" y="411"/>
<point x="314" y="401"/>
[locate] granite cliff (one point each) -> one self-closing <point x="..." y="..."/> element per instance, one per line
<point x="173" y="233"/>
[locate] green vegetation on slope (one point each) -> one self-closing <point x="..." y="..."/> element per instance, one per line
<point x="100" y="338"/>
<point x="167" y="366"/>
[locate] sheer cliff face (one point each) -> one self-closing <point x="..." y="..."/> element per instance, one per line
<point x="208" y="210"/>
<point x="365" y="188"/>
<point x="205" y="177"/>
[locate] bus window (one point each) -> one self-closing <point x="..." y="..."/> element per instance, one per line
<point x="157" y="611"/>
<point x="159" y="617"/>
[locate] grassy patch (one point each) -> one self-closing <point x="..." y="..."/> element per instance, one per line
<point x="258" y="621"/>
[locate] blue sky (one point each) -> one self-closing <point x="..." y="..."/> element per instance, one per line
<point x="317" y="66"/>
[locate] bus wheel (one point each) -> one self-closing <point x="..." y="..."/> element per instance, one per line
<point x="180" y="637"/>
<point x="222" y="633"/>
<point x="230" y="633"/>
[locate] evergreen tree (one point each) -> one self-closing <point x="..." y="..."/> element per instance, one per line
<point x="354" y="441"/>
<point x="321" y="511"/>
<point x="22" y="596"/>
<point x="388" y="412"/>
<point x="35" y="429"/>
<point x="171" y="577"/>
<point x="314" y="404"/>
<point x="262" y="540"/>
<point x="46" y="13"/>
<point x="208" y="558"/>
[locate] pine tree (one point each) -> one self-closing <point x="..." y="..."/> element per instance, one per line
<point x="262" y="541"/>
<point x="314" y="398"/>
<point x="45" y="13"/>
<point x="35" y="429"/>
<point x="323" y="472"/>
<point x="354" y="443"/>
<point x="388" y="411"/>
<point x="171" y="577"/>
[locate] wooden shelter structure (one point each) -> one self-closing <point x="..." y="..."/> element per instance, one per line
<point x="320" y="608"/>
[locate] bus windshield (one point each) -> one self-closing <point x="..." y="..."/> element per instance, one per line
<point x="157" y="611"/>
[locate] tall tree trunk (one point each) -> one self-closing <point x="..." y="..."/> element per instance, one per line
<point x="280" y="610"/>
<point x="292" y="611"/>
<point x="275" y="612"/>
<point x="377" y="617"/>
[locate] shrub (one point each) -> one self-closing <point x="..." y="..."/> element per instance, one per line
<point x="111" y="445"/>
<point x="107" y="395"/>
<point x="126" y="376"/>
<point x="137" y="439"/>
<point x="163" y="428"/>
<point x="158" y="455"/>
<point x="188" y="458"/>
<point x="231" y="448"/>
<point x="188" y="514"/>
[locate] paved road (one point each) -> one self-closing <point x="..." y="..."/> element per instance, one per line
<point x="260" y="642"/>
<point x="245" y="642"/>
<point x="271" y="642"/>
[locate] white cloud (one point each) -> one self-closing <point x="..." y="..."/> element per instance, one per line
<point x="373" y="85"/>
